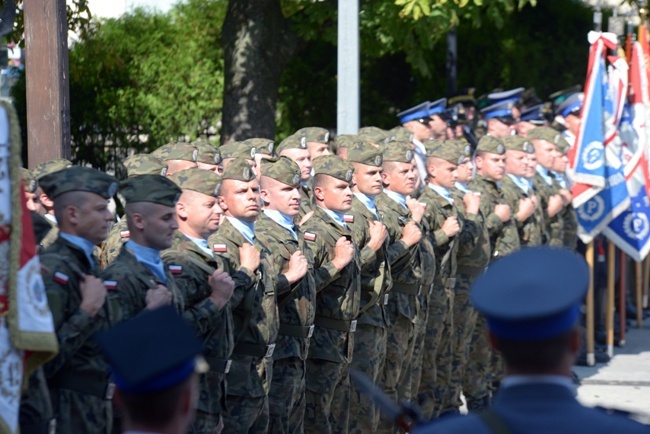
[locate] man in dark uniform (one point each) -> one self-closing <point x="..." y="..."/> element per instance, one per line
<point x="78" y="376"/>
<point x="295" y="290"/>
<point x="336" y="262"/>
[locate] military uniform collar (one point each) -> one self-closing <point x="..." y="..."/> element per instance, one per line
<point x="281" y="220"/>
<point x="520" y="182"/>
<point x="184" y="243"/>
<point x="442" y="192"/>
<point x="396" y="197"/>
<point x="323" y="215"/>
<point x="82" y="244"/>
<point x="246" y="229"/>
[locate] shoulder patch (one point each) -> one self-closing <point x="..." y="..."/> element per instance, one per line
<point x="61" y="278"/>
<point x="110" y="285"/>
<point x="125" y="234"/>
<point x="219" y="248"/>
<point x="175" y="269"/>
<point x="309" y="236"/>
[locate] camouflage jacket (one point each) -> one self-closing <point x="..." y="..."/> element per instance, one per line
<point x="127" y="282"/>
<point x="569" y="222"/>
<point x="376" y="280"/>
<point x="254" y="310"/>
<point x="51" y="236"/>
<point x="297" y="302"/>
<point x="553" y="226"/>
<point x="531" y="230"/>
<point x="79" y="359"/>
<point x="405" y="262"/>
<point x="191" y="268"/>
<point x="474" y="255"/>
<point x="504" y="238"/>
<point x="117" y="236"/>
<point x="306" y="200"/>
<point x="338" y="297"/>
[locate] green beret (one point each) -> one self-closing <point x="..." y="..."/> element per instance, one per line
<point x="345" y="140"/>
<point x="365" y="153"/>
<point x="401" y="134"/>
<point x="150" y="188"/>
<point x="144" y="164"/>
<point x="518" y="143"/>
<point x="333" y="166"/>
<point x="30" y="183"/>
<point x="294" y="141"/>
<point x="239" y="170"/>
<point x="177" y="151"/>
<point x="399" y="152"/>
<point x="48" y="167"/>
<point x="282" y="169"/>
<point x="199" y="180"/>
<point x="375" y="135"/>
<point x="491" y="144"/>
<point x="208" y="153"/>
<point x="77" y="178"/>
<point x="545" y="133"/>
<point x="237" y="150"/>
<point x="262" y="146"/>
<point x="314" y="134"/>
<point x="443" y="149"/>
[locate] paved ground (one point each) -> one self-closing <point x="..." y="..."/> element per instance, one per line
<point x="623" y="383"/>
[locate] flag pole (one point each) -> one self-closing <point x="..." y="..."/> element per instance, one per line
<point x="609" y="313"/>
<point x="622" y="295"/>
<point x="639" y="294"/>
<point x="589" y="315"/>
<point x="646" y="280"/>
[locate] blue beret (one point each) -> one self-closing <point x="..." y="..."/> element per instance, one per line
<point x="532" y="294"/>
<point x="418" y="112"/>
<point x="499" y="110"/>
<point x="513" y="95"/>
<point x="153" y="351"/>
<point x="437" y="107"/>
<point x="571" y="105"/>
<point x="534" y="115"/>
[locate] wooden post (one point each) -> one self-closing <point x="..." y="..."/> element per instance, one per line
<point x="589" y="315"/>
<point x="48" y="92"/>
<point x="609" y="313"/>
<point x="639" y="295"/>
<point x="622" y="296"/>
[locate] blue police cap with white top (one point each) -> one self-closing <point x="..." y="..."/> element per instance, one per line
<point x="420" y="111"/>
<point x="500" y="110"/>
<point x="535" y="115"/>
<point x="438" y="107"/>
<point x="571" y="105"/>
<point x="151" y="352"/>
<point x="513" y="95"/>
<point x="532" y="294"/>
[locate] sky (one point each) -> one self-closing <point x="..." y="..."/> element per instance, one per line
<point x="115" y="8"/>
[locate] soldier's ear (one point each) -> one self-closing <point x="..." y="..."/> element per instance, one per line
<point x="46" y="201"/>
<point x="181" y="210"/>
<point x="138" y="220"/>
<point x="222" y="203"/>
<point x="319" y="193"/>
<point x="385" y="179"/>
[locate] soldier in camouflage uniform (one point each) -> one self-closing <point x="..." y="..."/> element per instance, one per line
<point x="375" y="136"/>
<point x="238" y="150"/>
<point x="177" y="156"/>
<point x="545" y="140"/>
<point x="519" y="193"/>
<point x="263" y="149"/>
<point x="336" y="262"/>
<point x="138" y="164"/>
<point x="203" y="281"/>
<point x="295" y="148"/>
<point x="78" y="376"/>
<point x="254" y="304"/>
<point x="137" y="279"/>
<point x="209" y="156"/>
<point x="568" y="214"/>
<point x="295" y="289"/>
<point x="46" y="203"/>
<point x="450" y="234"/>
<point x="317" y="140"/>
<point x="370" y="234"/>
<point x="403" y="254"/>
<point x="472" y="357"/>
<point x="504" y="238"/>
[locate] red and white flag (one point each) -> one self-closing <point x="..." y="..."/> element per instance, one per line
<point x="27" y="337"/>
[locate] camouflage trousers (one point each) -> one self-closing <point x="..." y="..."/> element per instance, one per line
<point x="464" y="322"/>
<point x="287" y="396"/>
<point x="206" y="423"/>
<point x="327" y="397"/>
<point x="476" y="377"/>
<point x="396" y="380"/>
<point x="246" y="415"/>
<point x="419" y="332"/>
<point x="437" y="360"/>
<point x="369" y="357"/>
<point x="81" y="413"/>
